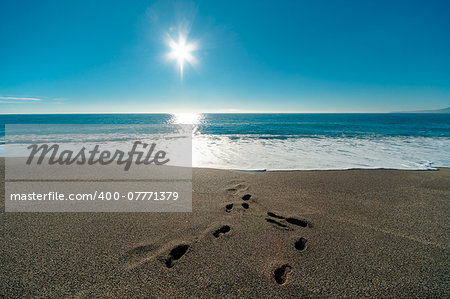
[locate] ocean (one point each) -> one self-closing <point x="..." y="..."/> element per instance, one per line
<point x="288" y="141"/>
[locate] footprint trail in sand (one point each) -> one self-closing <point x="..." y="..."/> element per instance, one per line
<point x="142" y="254"/>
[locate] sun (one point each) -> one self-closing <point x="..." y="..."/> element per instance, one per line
<point x="181" y="52"/>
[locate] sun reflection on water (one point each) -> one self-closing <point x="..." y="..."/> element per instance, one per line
<point x="186" y="118"/>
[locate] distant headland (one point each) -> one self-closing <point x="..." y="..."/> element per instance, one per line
<point x="445" y="110"/>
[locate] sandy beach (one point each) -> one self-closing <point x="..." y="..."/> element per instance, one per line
<point x="356" y="233"/>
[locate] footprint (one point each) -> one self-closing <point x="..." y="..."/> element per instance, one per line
<point x="175" y="254"/>
<point x="223" y="230"/>
<point x="237" y="187"/>
<point x="281" y="273"/>
<point x="246" y="197"/>
<point x="274" y="215"/>
<point x="291" y="220"/>
<point x="296" y="221"/>
<point x="228" y="208"/>
<point x="245" y="205"/>
<point x="278" y="223"/>
<point x="300" y="244"/>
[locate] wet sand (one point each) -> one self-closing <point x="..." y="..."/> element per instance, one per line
<point x="371" y="233"/>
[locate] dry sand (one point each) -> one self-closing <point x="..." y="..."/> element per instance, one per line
<point x="370" y="233"/>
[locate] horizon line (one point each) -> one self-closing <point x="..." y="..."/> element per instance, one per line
<point x="230" y="112"/>
<point x="211" y="112"/>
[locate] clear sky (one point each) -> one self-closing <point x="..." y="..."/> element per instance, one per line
<point x="250" y="56"/>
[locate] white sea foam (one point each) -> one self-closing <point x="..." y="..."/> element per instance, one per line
<point x="250" y="153"/>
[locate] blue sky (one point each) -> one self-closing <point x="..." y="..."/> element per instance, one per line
<point x="254" y="56"/>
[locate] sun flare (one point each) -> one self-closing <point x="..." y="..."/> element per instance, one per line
<point x="186" y="118"/>
<point x="181" y="52"/>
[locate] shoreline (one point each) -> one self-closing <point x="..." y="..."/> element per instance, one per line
<point x="305" y="170"/>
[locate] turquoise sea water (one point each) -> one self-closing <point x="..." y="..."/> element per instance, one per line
<point x="292" y="141"/>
